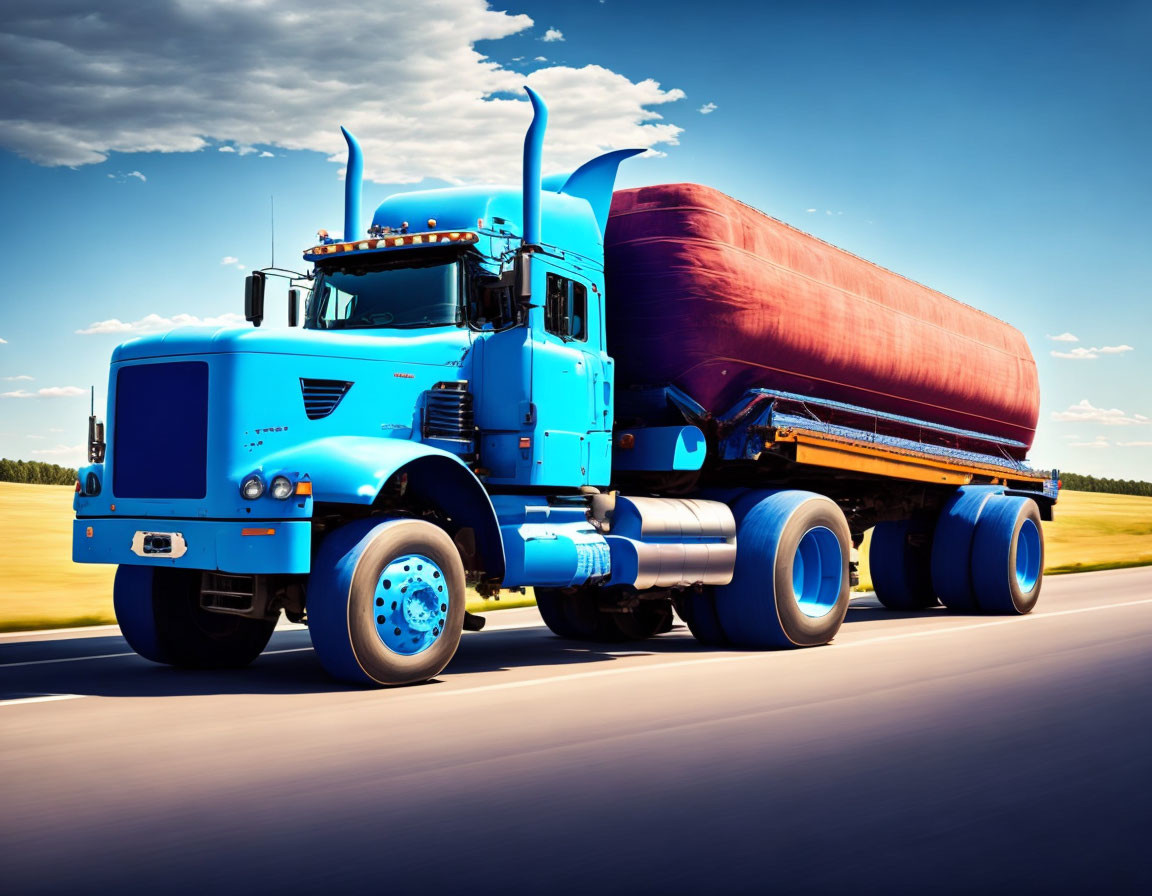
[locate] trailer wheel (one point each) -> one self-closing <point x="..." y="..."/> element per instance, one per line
<point x="790" y="587"/>
<point x="1008" y="556"/>
<point x="386" y="601"/>
<point x="900" y="560"/>
<point x="952" y="545"/>
<point x="159" y="613"/>
<point x="574" y="613"/>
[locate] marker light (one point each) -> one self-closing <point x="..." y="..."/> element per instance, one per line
<point x="252" y="487"/>
<point x="303" y="488"/>
<point x="281" y="488"/>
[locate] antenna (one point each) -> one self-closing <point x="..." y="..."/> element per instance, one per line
<point x="93" y="397"/>
<point x="272" y="200"/>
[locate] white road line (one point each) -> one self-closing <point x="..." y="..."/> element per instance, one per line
<point x="70" y="659"/>
<point x="47" y="698"/>
<point x="744" y="657"/>
<point x="87" y="629"/>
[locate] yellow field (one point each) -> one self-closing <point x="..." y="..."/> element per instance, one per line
<point x="42" y="587"/>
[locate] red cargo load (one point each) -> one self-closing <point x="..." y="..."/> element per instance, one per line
<point x="712" y="296"/>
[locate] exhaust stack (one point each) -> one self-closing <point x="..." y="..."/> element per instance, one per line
<point x="353" y="178"/>
<point x="533" y="152"/>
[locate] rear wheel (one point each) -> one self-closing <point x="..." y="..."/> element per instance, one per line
<point x="952" y="546"/>
<point x="386" y="602"/>
<point x="159" y="613"/>
<point x="1008" y="556"/>
<point x="790" y="587"/>
<point x="900" y="561"/>
<point x="577" y="614"/>
<point x="698" y="610"/>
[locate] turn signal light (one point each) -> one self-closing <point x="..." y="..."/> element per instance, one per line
<point x="257" y="531"/>
<point x="303" y="488"/>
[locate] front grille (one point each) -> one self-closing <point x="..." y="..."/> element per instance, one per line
<point x="160" y="431"/>
<point x="448" y="412"/>
<point x="322" y="396"/>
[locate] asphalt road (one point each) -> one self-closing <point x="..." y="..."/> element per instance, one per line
<point x="918" y="752"/>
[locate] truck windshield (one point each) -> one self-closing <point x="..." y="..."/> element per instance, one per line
<point x="394" y="297"/>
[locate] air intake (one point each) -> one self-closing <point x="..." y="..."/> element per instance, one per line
<point x="322" y="396"/>
<point x="448" y="413"/>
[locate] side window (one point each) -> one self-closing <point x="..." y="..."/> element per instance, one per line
<point x="566" y="308"/>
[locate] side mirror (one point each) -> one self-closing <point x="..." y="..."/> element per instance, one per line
<point x="254" y="298"/>
<point x="522" y="278"/>
<point x="293" y="307"/>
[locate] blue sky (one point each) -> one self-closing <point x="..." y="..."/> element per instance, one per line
<point x="997" y="152"/>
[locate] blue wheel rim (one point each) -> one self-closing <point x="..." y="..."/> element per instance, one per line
<point x="410" y="604"/>
<point x="817" y="571"/>
<point x="1027" y="556"/>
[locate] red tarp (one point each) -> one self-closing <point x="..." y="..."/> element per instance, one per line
<point x="715" y="297"/>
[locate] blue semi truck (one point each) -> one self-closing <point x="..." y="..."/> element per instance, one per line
<point x="447" y="417"/>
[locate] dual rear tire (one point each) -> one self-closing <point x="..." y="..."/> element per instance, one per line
<point x="986" y="555"/>
<point x="790" y="585"/>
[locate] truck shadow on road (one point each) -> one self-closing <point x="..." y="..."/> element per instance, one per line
<point x="289" y="666"/>
<point x="105" y="667"/>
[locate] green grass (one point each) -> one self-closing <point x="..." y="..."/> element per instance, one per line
<point x="43" y="588"/>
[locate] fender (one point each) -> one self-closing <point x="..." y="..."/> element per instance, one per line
<point x="353" y="470"/>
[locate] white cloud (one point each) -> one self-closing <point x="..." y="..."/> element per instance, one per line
<point x="229" y="259"/>
<point x="70" y="452"/>
<point x="21" y="378"/>
<point x="1098" y="442"/>
<point x="3" y="341"/>
<point x="47" y="392"/>
<point x="1063" y="337"/>
<point x="1084" y="412"/>
<point x="423" y="101"/>
<point x="1135" y="444"/>
<point x="552" y="35"/>
<point x="54" y="429"/>
<point x="707" y="109"/>
<point x="266" y="155"/>
<point x="541" y="59"/>
<point x="137" y="175"/>
<point x="154" y="323"/>
<point x="1087" y="354"/>
<point x="810" y="210"/>
<point x="119" y="177"/>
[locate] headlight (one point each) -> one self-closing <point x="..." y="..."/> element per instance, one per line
<point x="252" y="487"/>
<point x="281" y="488"/>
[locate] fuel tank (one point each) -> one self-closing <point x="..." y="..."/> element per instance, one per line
<point x="710" y="295"/>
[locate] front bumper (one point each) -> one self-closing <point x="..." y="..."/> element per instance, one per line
<point x="280" y="546"/>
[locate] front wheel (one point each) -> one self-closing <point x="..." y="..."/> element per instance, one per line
<point x="159" y="613"/>
<point x="386" y="601"/>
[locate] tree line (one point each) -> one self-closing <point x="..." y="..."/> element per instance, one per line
<point x="1077" y="483"/>
<point x="39" y="473"/>
<point x="36" y="472"/>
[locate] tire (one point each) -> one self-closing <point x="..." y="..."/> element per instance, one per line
<point x="574" y="613"/>
<point x="790" y="587"/>
<point x="386" y="602"/>
<point x="900" y="560"/>
<point x="650" y="618"/>
<point x="159" y="613"/>
<point x="952" y="546"/>
<point x="698" y="610"/>
<point x="1008" y="556"/>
